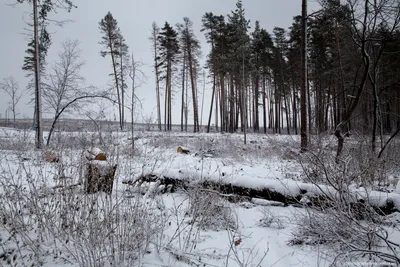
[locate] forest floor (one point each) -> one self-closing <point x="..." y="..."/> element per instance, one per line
<point x="48" y="220"/>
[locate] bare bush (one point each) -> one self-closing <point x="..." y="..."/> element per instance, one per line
<point x="345" y="220"/>
<point x="209" y="211"/>
<point x="44" y="213"/>
<point x="270" y="219"/>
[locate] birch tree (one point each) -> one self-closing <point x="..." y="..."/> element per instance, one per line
<point x="11" y="88"/>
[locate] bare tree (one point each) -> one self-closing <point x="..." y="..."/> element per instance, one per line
<point x="10" y="86"/>
<point x="363" y="25"/>
<point x="137" y="77"/>
<point x="46" y="7"/>
<point x="64" y="88"/>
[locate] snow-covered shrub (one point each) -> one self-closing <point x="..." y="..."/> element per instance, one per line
<point x="269" y="219"/>
<point x="358" y="165"/>
<point x="210" y="211"/>
<point x="46" y="215"/>
<point x="346" y="221"/>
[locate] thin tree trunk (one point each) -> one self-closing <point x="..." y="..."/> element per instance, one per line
<point x="213" y="96"/>
<point x="38" y="102"/>
<point x="202" y="99"/>
<point x="264" y="105"/>
<point x="157" y="77"/>
<point x="122" y="88"/>
<point x="303" y="91"/>
<point x="113" y="60"/>
<point x="166" y="100"/>
<point x="183" y="91"/>
<point x="186" y="103"/>
<point x="194" y="94"/>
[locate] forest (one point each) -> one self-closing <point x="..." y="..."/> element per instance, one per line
<point x="295" y="163"/>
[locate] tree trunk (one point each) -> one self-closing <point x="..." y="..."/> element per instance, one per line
<point x="194" y="94"/>
<point x="303" y="91"/>
<point x="264" y="106"/>
<point x="157" y="77"/>
<point x="183" y="91"/>
<point x="122" y="89"/>
<point x="116" y="78"/>
<point x="202" y="99"/>
<point x="38" y="96"/>
<point x="256" y="103"/>
<point x="213" y="96"/>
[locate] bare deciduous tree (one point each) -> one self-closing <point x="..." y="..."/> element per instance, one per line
<point x="137" y="77"/>
<point x="10" y="86"/>
<point x="64" y="87"/>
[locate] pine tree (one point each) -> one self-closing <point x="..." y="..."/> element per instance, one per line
<point x="304" y="79"/>
<point x="40" y="13"/>
<point x="169" y="49"/>
<point x="212" y="25"/>
<point x="238" y="59"/>
<point x="114" y="44"/>
<point x="155" y="47"/>
<point x="191" y="48"/>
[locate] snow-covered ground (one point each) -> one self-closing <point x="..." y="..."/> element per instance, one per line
<point x="47" y="219"/>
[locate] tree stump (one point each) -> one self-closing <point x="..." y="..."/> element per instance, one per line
<point x="95" y="154"/>
<point x="183" y="150"/>
<point x="99" y="177"/>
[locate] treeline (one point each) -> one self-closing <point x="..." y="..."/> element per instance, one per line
<point x="352" y="70"/>
<point x="353" y="52"/>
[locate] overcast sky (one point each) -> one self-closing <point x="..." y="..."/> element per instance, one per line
<point x="134" y="18"/>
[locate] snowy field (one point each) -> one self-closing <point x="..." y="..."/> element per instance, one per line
<point x="48" y="220"/>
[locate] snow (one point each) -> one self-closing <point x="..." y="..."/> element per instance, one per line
<point x="260" y="164"/>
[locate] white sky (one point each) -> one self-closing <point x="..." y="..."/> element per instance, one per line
<point x="135" y="18"/>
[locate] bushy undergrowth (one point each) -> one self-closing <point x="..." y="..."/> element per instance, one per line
<point x="45" y="213"/>
<point x="210" y="211"/>
<point x="347" y="222"/>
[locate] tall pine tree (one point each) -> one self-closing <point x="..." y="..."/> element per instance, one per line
<point x="169" y="50"/>
<point x="114" y="45"/>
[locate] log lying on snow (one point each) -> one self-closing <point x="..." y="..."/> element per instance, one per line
<point x="296" y="193"/>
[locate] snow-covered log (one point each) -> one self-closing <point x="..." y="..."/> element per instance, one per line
<point x="298" y="193"/>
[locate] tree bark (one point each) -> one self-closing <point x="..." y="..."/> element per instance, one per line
<point x="38" y="101"/>
<point x="303" y="91"/>
<point x="194" y="93"/>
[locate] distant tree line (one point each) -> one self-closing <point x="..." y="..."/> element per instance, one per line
<point x="349" y="71"/>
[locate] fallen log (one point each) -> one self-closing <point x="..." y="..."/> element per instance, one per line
<point x="305" y="196"/>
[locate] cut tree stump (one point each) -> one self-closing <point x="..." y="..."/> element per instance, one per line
<point x="96" y="154"/>
<point x="99" y="177"/>
<point x="183" y="150"/>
